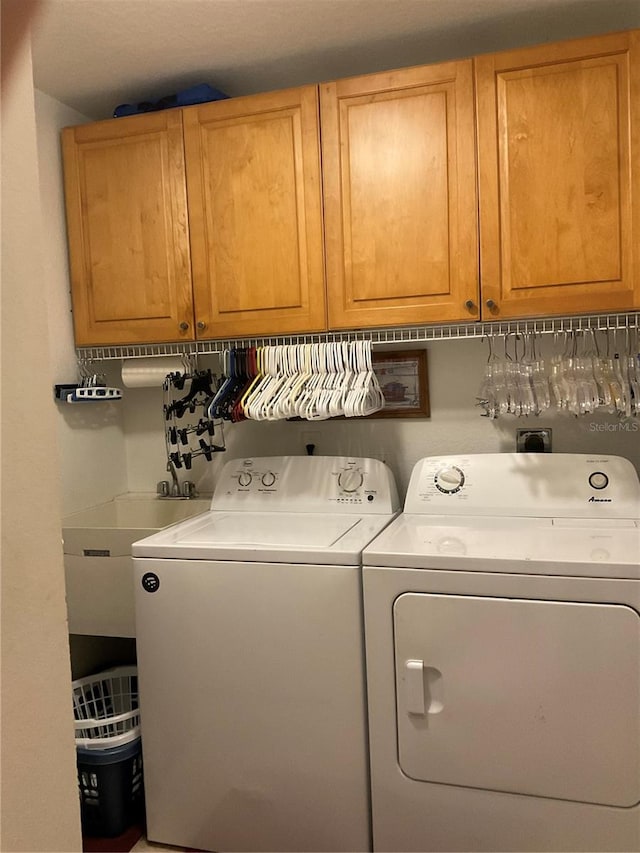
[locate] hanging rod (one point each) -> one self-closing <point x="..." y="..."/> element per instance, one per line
<point x="396" y="335"/>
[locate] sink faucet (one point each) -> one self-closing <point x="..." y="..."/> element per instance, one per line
<point x="175" y="488"/>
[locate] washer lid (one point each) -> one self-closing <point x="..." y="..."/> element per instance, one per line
<point x="513" y="545"/>
<point x="276" y="537"/>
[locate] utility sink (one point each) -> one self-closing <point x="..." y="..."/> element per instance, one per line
<point x="97" y="557"/>
<point x="109" y="526"/>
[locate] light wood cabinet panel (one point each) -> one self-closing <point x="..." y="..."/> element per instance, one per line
<point x="128" y="230"/>
<point x="559" y="174"/>
<point x="400" y="197"/>
<point x="444" y="199"/>
<point x="253" y="179"/>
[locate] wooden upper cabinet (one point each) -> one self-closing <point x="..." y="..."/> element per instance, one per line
<point x="557" y="126"/>
<point x="128" y="230"/>
<point x="253" y="179"/>
<point x="207" y="222"/>
<point x="398" y="153"/>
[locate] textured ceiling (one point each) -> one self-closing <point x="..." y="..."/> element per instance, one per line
<point x="95" y="54"/>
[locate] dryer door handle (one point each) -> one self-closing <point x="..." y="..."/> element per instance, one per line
<point x="414" y="680"/>
<point x="423" y="688"/>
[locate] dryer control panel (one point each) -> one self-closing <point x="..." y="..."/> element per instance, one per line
<point x="542" y="485"/>
<point x="307" y="484"/>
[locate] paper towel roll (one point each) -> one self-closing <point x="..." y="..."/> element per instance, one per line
<point x="149" y="372"/>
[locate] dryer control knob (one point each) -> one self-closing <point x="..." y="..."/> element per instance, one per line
<point x="598" y="480"/>
<point x="244" y="478"/>
<point x="350" y="481"/>
<point x="268" y="479"/>
<point x="449" y="480"/>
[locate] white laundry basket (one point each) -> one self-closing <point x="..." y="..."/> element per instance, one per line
<point x="108" y="747"/>
<point x="105" y="707"/>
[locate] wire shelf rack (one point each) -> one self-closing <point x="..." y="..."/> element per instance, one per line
<point x="387" y="336"/>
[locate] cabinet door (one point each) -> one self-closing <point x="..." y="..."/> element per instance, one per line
<point x="128" y="231"/>
<point x="559" y="166"/>
<point x="253" y="179"/>
<point x="400" y="197"/>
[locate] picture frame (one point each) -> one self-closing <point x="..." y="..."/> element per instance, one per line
<point x="403" y="379"/>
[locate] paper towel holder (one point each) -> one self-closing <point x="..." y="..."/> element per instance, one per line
<point x="148" y="372"/>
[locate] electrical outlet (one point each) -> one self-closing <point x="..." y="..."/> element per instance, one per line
<point x="533" y="441"/>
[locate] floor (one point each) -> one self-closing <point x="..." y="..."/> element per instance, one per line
<point x="144" y="845"/>
<point x="132" y="840"/>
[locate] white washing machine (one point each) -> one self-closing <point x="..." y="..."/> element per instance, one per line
<point x="251" y="659"/>
<point x="502" y="631"/>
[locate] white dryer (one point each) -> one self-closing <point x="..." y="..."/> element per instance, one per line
<point x="251" y="659"/>
<point x="502" y="632"/>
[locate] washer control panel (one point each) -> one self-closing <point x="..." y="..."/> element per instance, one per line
<point x="306" y="484"/>
<point x="544" y="485"/>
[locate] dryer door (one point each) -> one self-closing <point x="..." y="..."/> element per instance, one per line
<point x="530" y="697"/>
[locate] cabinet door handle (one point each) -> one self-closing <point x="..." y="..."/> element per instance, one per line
<point x="490" y="304"/>
<point x="201" y="325"/>
<point x="470" y="305"/>
<point x="184" y="326"/>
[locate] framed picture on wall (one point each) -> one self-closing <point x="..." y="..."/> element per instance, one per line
<point x="403" y="380"/>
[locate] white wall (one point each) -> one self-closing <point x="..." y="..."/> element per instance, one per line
<point x="455" y="371"/>
<point x="40" y="808"/>
<point x="90" y="437"/>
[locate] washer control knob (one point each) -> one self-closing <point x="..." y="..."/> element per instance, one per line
<point x="598" y="480"/>
<point x="268" y="479"/>
<point x="449" y="480"/>
<point x="244" y="478"/>
<point x="350" y="481"/>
